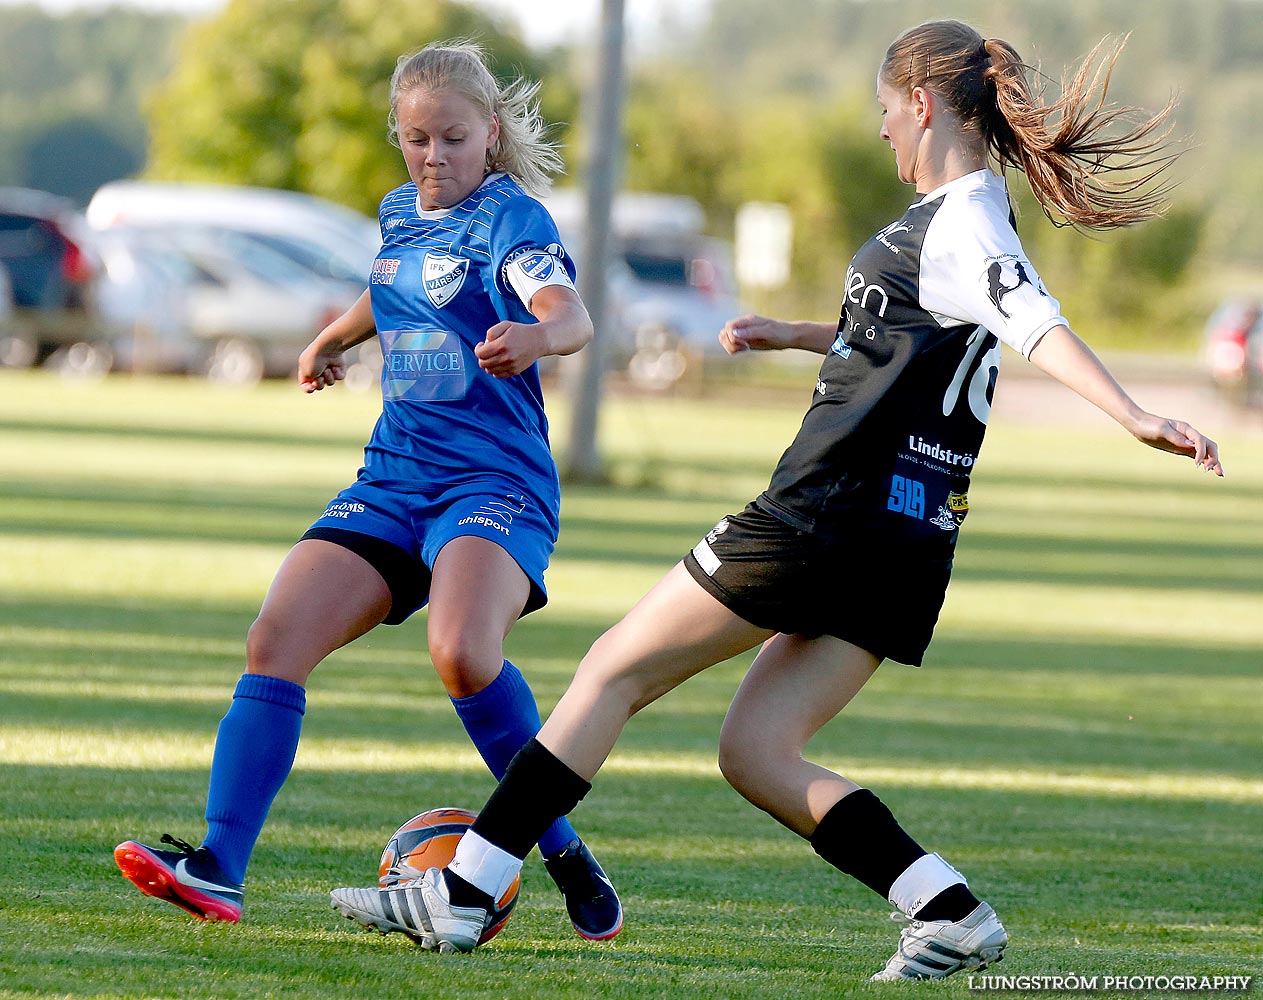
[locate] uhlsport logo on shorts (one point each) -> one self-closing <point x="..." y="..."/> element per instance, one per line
<point x="423" y="365"/>
<point x="495" y="514"/>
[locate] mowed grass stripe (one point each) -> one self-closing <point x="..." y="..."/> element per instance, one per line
<point x="1083" y="740"/>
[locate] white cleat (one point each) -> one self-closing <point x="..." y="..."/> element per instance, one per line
<point x="934" y="949"/>
<point x="418" y="908"/>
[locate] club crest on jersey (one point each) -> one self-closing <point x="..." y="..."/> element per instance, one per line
<point x="442" y="275"/>
<point x="537" y="265"/>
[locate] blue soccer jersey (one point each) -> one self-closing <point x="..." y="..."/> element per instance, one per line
<point x="440" y="281"/>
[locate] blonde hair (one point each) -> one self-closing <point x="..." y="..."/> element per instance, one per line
<point x="522" y="150"/>
<point x="1076" y="171"/>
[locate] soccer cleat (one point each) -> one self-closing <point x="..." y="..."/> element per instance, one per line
<point x="418" y="908"/>
<point x="934" y="949"/>
<point x="191" y="879"/>
<point x="593" y="905"/>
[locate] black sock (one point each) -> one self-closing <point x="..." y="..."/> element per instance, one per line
<point x="954" y="903"/>
<point x="861" y="837"/>
<point x="535" y="790"/>
<point x="462" y="893"/>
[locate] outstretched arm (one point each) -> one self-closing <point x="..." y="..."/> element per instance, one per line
<point x="758" y="333"/>
<point x="1061" y="354"/>
<point x="321" y="362"/>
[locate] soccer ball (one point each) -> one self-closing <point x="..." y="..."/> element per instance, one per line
<point x="429" y="840"/>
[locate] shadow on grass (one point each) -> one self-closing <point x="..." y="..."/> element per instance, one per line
<point x="676" y="837"/>
<point x="215" y="434"/>
<point x="278" y="516"/>
<point x="1173" y="564"/>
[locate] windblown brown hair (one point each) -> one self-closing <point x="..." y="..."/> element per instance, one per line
<point x="1084" y="171"/>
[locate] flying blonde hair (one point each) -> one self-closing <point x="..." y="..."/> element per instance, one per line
<point x="523" y="150"/>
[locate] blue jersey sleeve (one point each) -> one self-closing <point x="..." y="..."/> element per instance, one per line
<point x="524" y="236"/>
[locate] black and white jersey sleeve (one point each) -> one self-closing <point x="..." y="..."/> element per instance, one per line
<point x="904" y="394"/>
<point x="974" y="271"/>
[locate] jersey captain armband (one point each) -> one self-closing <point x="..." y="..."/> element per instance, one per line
<point x="532" y="268"/>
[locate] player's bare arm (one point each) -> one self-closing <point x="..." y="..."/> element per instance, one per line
<point x="1064" y="356"/>
<point x="564" y="327"/>
<point x="759" y="333"/>
<point x="321" y="362"/>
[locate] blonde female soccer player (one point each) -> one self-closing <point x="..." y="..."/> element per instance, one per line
<point x="457" y="503"/>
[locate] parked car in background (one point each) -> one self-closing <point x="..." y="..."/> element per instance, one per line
<point x="330" y="240"/>
<point x="51" y="271"/>
<point x="207" y="301"/>
<point x="250" y="274"/>
<point x="1232" y="349"/>
<point x="677" y="297"/>
<point x="671" y="287"/>
<point x="8" y="325"/>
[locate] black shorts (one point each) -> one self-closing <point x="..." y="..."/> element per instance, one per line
<point x="881" y="598"/>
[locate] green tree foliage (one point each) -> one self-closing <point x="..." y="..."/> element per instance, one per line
<point x="793" y="82"/>
<point x="70" y="94"/>
<point x="679" y="135"/>
<point x="294" y="93"/>
<point x="75" y="156"/>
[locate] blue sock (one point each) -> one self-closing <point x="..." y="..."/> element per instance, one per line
<point x="254" y="752"/>
<point x="500" y="719"/>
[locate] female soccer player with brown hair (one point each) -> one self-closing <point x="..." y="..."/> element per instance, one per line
<point x="844" y="560"/>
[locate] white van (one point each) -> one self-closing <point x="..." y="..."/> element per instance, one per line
<point x="335" y="242"/>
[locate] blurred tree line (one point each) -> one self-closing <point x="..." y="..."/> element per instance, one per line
<point x="768" y="102"/>
<point x="71" y="94"/>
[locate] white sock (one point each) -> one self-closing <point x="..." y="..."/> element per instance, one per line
<point x="921" y="881"/>
<point x="485" y="866"/>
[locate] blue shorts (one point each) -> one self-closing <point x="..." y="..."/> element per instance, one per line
<point x="400" y="534"/>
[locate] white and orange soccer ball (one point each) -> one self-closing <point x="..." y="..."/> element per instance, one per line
<point x="428" y="840"/>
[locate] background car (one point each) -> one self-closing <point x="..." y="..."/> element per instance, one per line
<point x="327" y="239"/>
<point x="1232" y="349"/>
<point x="671" y="286"/>
<point x="675" y="300"/>
<point x="249" y="275"/>
<point x="210" y="302"/>
<point x="52" y="273"/>
<point x="8" y="324"/>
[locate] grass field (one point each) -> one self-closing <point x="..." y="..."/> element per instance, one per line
<point x="1084" y="742"/>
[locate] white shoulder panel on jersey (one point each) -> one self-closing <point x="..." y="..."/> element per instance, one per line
<point x="533" y="268"/>
<point x="974" y="270"/>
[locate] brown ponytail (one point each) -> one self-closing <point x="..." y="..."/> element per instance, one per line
<point x="1079" y="175"/>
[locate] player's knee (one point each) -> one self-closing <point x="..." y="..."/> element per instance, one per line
<point x="270" y="650"/>
<point x="262" y="642"/>
<point x="465" y="662"/>
<point x="748" y="760"/>
<point x="614" y="680"/>
<point x="737" y="762"/>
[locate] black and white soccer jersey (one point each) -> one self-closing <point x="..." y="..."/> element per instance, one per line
<point x="901" y="405"/>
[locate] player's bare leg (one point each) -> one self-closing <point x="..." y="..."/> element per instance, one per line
<point x="673" y="632"/>
<point x="476" y="595"/>
<point x="322" y="597"/>
<point x="794" y="687"/>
